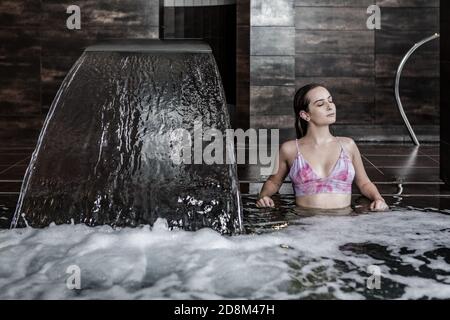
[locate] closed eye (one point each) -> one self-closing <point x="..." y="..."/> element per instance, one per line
<point x="320" y="102"/>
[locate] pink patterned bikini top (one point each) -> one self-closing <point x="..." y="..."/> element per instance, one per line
<point x="306" y="182"/>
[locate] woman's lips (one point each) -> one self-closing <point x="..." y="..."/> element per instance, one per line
<point x="331" y="114"/>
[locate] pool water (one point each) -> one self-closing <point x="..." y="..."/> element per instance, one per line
<point x="403" y="253"/>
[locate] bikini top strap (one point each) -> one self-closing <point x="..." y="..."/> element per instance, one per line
<point x="340" y="144"/>
<point x="296" y="143"/>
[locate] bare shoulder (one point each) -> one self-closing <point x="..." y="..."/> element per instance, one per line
<point x="346" y="140"/>
<point x="288" y="149"/>
<point x="349" y="145"/>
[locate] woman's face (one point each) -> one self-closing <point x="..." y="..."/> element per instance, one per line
<point x="321" y="107"/>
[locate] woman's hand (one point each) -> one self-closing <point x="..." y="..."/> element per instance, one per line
<point x="265" y="202"/>
<point x="379" y="205"/>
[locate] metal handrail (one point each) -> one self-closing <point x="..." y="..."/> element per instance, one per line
<point x="397" y="84"/>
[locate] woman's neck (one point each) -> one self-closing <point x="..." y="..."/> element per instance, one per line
<point x="319" y="136"/>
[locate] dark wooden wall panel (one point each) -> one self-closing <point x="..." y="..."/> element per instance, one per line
<point x="334" y="46"/>
<point x="272" y="64"/>
<point x="330" y="40"/>
<point x="243" y="64"/>
<point x="37" y="50"/>
<point x="403" y="24"/>
<point x="445" y="97"/>
<point x="19" y="65"/>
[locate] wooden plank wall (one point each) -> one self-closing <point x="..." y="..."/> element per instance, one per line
<point x="37" y="50"/>
<point x="445" y="98"/>
<point x="334" y="46"/>
<point x="243" y="64"/>
<point x="281" y="45"/>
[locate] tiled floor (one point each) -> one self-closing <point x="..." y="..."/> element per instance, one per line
<point x="396" y="169"/>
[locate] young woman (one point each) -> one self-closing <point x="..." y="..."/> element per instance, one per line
<point x="321" y="166"/>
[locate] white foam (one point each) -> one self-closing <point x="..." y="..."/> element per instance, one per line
<point x="301" y="261"/>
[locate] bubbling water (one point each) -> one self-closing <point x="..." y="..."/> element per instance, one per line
<point x="311" y="257"/>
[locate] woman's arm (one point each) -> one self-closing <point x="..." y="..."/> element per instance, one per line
<point x="274" y="182"/>
<point x="363" y="182"/>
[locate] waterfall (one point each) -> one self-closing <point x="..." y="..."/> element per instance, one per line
<point x="105" y="153"/>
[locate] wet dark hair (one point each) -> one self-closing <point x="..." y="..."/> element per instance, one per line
<point x="301" y="102"/>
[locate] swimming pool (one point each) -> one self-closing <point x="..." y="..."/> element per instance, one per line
<point x="285" y="254"/>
